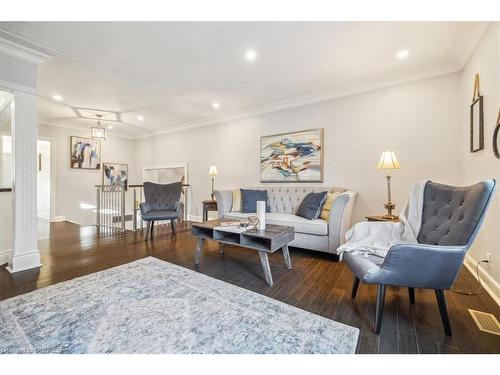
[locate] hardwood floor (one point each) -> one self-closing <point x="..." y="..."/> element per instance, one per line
<point x="316" y="283"/>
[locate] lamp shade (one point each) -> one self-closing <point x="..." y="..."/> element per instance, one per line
<point x="388" y="160"/>
<point x="98" y="133"/>
<point x="213" y="171"/>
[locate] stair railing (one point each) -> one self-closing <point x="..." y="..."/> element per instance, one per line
<point x="111" y="202"/>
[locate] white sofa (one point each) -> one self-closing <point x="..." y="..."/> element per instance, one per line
<point x="284" y="200"/>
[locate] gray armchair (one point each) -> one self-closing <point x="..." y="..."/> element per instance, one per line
<point x="162" y="202"/>
<point x="451" y="218"/>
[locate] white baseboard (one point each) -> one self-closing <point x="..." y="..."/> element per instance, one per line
<point x="489" y="283"/>
<point x="4" y="256"/>
<point x="25" y="261"/>
<point x="58" y="219"/>
<point x="43" y="215"/>
<point x="198" y="219"/>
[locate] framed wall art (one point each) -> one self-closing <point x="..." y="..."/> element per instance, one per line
<point x="115" y="174"/>
<point x="292" y="157"/>
<point x="85" y="153"/>
<point x="476" y="119"/>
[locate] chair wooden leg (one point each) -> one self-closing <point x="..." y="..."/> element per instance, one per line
<point x="355" y="285"/>
<point x="151" y="231"/>
<point x="380" y="308"/>
<point x="173" y="225"/>
<point x="441" y="300"/>
<point x="148" y="229"/>
<point x="411" y="294"/>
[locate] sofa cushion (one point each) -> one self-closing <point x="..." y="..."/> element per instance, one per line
<point x="311" y="205"/>
<point x="317" y="227"/>
<point x="249" y="199"/>
<point x="160" y="215"/>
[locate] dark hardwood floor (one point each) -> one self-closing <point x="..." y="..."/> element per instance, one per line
<point x="316" y="283"/>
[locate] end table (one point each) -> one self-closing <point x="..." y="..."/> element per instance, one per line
<point x="382" y="218"/>
<point x="208" y="205"/>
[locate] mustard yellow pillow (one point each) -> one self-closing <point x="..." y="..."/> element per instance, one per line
<point x="236" y="201"/>
<point x="325" y="212"/>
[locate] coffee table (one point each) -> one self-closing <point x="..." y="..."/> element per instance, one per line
<point x="265" y="241"/>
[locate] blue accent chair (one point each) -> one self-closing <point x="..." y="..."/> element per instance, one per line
<point x="162" y="202"/>
<point x="451" y="219"/>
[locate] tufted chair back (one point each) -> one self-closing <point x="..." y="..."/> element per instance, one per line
<point x="286" y="199"/>
<point x="451" y="215"/>
<point x="162" y="197"/>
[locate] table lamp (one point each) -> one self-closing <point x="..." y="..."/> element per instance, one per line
<point x="212" y="173"/>
<point x="387" y="163"/>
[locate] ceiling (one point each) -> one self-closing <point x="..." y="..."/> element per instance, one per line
<point x="171" y="72"/>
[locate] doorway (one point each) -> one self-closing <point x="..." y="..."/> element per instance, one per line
<point x="44" y="188"/>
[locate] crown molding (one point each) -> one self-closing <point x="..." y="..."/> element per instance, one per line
<point x="11" y="87"/>
<point x="469" y="42"/>
<point x="48" y="122"/>
<point x="23" y="53"/>
<point x="340" y="92"/>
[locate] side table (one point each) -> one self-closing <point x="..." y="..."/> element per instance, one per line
<point x="208" y="205"/>
<point x="382" y="218"/>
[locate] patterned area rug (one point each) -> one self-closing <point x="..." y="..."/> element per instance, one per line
<point x="152" y="306"/>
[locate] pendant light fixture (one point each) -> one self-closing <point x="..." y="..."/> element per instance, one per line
<point x="98" y="132"/>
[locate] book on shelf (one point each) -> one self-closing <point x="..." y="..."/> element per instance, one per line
<point x="229" y="224"/>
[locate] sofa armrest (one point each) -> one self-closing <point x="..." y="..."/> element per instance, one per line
<point x="339" y="220"/>
<point x="224" y="200"/>
<point x="419" y="266"/>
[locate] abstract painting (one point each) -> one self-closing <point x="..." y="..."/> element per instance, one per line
<point x="85" y="153"/>
<point x="292" y="157"/>
<point x="115" y="174"/>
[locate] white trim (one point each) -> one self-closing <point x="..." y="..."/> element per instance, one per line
<point x="489" y="283"/>
<point x="48" y="122"/>
<point x="4" y="256"/>
<point x="10" y="86"/>
<point x="58" y="219"/>
<point x="21" y="52"/>
<point x="340" y="92"/>
<point x="53" y="171"/>
<point x="24" y="261"/>
<point x="195" y="218"/>
<point x="466" y="46"/>
<point x="43" y="215"/>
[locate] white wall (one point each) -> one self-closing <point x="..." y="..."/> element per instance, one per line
<point x="474" y="167"/>
<point x="418" y="120"/>
<point x="74" y="187"/>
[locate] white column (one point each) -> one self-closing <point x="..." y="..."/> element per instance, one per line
<point x="24" y="253"/>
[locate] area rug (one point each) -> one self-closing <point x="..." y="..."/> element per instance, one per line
<point x="152" y="306"/>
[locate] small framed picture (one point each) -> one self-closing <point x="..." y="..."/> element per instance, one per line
<point x="115" y="174"/>
<point x="476" y="125"/>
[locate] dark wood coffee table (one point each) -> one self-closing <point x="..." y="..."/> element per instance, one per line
<point x="265" y="241"/>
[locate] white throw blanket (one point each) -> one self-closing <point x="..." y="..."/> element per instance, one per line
<point x="376" y="238"/>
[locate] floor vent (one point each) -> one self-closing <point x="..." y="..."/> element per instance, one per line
<point x="486" y="322"/>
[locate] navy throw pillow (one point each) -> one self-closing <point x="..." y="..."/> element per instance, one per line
<point x="249" y="200"/>
<point x="311" y="205"/>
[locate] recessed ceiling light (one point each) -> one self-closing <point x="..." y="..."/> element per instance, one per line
<point x="215" y="105"/>
<point x="110" y="126"/>
<point x="140" y="118"/>
<point x="57" y="98"/>
<point x="403" y="54"/>
<point x="251" y="55"/>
